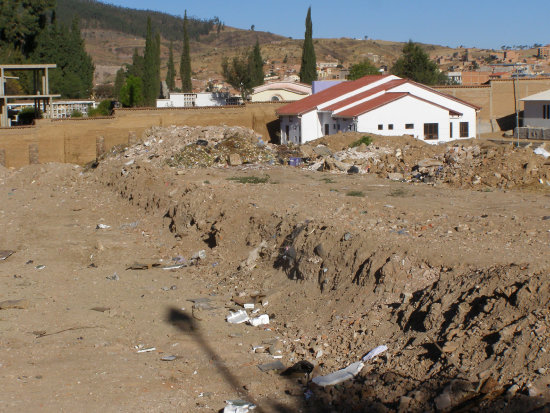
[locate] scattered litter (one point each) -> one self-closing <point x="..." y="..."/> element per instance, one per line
<point x="541" y="151"/>
<point x="237" y="317"/>
<point x="249" y="306"/>
<point x="201" y="255"/>
<point x="147" y="350"/>
<point x="102" y="226"/>
<point x="4" y="254"/>
<point x="375" y="352"/>
<point x="40" y="267"/>
<point x="174" y="267"/>
<point x="113" y="277"/>
<point x="275" y="365"/>
<point x="339" y="376"/>
<point x="388" y="206"/>
<point x="14" y="304"/>
<point x="169" y="358"/>
<point x="238" y="406"/>
<point x="258" y="321"/>
<point x="173" y="287"/>
<point x="130" y="225"/>
<point x="29" y="262"/>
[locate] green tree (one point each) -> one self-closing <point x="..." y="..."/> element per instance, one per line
<point x="150" y="77"/>
<point x="361" y="69"/>
<point x="185" y="63"/>
<point x="171" y="70"/>
<point x="415" y="64"/>
<point x="308" y="70"/>
<point x="131" y="93"/>
<point x="256" y="63"/>
<point x="120" y="79"/>
<point x="138" y="65"/>
<point x="21" y="23"/>
<point x="73" y="77"/>
<point x="236" y="72"/>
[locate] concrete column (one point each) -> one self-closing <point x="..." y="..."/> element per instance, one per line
<point x="33" y="154"/>
<point x="99" y="146"/>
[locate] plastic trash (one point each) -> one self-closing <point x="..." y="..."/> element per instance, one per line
<point x="541" y="151"/>
<point x="174" y="267"/>
<point x="238" y="406"/>
<point x="169" y="358"/>
<point x="261" y="320"/>
<point x="339" y="376"/>
<point x="4" y="254"/>
<point x="237" y="317"/>
<point x="102" y="226"/>
<point x="147" y="350"/>
<point x="375" y="352"/>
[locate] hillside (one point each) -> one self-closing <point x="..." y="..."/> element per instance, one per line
<point x="112" y="33"/>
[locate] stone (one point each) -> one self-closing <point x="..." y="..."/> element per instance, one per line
<point x="306" y="151"/>
<point x="429" y="163"/>
<point x="353" y="170"/>
<point x="322" y="150"/>
<point x="395" y="176"/>
<point x="234" y="159"/>
<point x="443" y="401"/>
<point x="319" y="251"/>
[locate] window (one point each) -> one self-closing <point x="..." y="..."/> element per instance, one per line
<point x="450" y="129"/>
<point x="546" y="111"/>
<point x="390" y="126"/>
<point x="380" y="127"/>
<point x="334" y="126"/>
<point x="409" y="126"/>
<point x="431" y="131"/>
<point x="464" y="130"/>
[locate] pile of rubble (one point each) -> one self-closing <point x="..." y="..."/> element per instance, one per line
<point x="192" y="147"/>
<point x="465" y="164"/>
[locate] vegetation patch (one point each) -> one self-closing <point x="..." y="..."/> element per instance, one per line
<point x="328" y="180"/>
<point x="250" y="179"/>
<point x="356" y="193"/>
<point x="367" y="140"/>
<point x="398" y="192"/>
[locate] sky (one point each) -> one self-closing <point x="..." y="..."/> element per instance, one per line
<point x="471" y="23"/>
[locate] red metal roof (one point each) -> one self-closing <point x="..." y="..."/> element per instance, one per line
<point x="382" y="88"/>
<point x="384" y="100"/>
<point x="311" y="102"/>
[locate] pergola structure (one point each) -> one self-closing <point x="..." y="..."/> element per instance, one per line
<point x="41" y="89"/>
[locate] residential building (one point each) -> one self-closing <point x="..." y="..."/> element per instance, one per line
<point x="189" y="100"/>
<point x="536" y="112"/>
<point x="380" y="104"/>
<point x="58" y="109"/>
<point x="280" y="91"/>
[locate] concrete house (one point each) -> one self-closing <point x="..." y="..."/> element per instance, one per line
<point x="280" y="91"/>
<point x="381" y="104"/>
<point x="536" y="112"/>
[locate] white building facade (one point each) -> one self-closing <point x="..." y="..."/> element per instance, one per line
<point x="379" y="104"/>
<point x="189" y="100"/>
<point x="536" y="113"/>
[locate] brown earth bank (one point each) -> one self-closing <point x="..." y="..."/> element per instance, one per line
<point x="451" y="276"/>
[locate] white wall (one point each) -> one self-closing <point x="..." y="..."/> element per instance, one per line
<point x="403" y="111"/>
<point x="532" y="115"/>
<point x="468" y="113"/>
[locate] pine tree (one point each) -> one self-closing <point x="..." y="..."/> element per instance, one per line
<point x="415" y="64"/>
<point x="308" y="70"/>
<point x="171" y="70"/>
<point x="256" y="66"/>
<point x="185" y="64"/>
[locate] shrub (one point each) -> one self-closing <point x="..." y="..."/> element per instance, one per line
<point x="27" y="116"/>
<point x="76" y="114"/>
<point x="356" y="193"/>
<point x="250" y="179"/>
<point x="367" y="140"/>
<point x="103" y="109"/>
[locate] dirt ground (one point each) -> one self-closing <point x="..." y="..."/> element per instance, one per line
<point x="452" y="278"/>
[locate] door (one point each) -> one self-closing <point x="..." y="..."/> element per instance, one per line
<point x="327" y="129"/>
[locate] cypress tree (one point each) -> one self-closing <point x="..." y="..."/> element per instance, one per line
<point x="136" y="68"/>
<point x="157" y="65"/>
<point x="120" y="79"/>
<point x="171" y="70"/>
<point x="185" y="64"/>
<point x="308" y="70"/>
<point x="149" y="69"/>
<point x="256" y="66"/>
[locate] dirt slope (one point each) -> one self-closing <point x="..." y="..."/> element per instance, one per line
<point x="452" y="280"/>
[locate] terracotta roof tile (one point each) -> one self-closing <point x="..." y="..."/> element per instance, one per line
<point x="382" y="88"/>
<point x="311" y="102"/>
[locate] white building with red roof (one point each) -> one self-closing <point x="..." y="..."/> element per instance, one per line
<point x="380" y="104"/>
